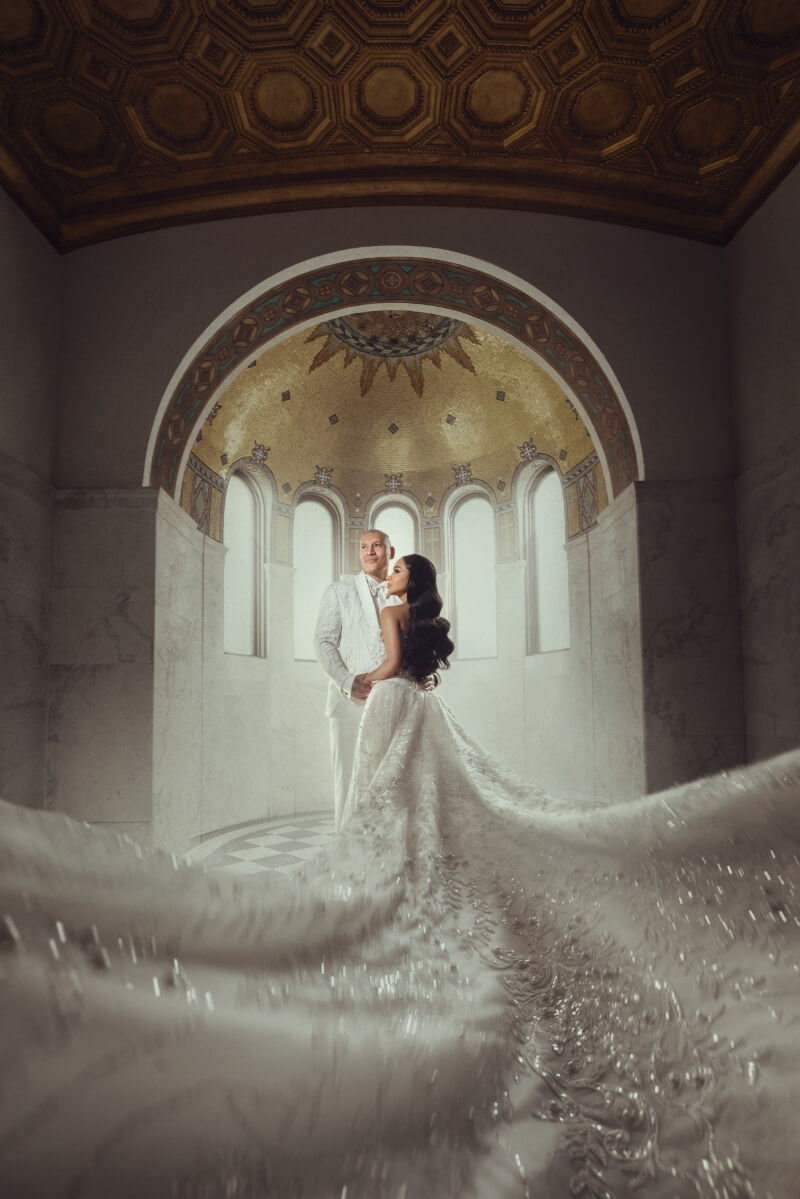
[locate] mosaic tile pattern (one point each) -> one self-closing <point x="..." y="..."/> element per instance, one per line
<point x="374" y="284"/>
<point x="282" y="844"/>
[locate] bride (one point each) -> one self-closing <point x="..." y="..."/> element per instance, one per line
<point x="479" y="991"/>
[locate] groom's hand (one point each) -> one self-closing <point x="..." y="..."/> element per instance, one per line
<point x="361" y="687"/>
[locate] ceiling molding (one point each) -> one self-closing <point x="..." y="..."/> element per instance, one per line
<point x="672" y="115"/>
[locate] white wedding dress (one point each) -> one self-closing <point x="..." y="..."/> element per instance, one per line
<point x="478" y="991"/>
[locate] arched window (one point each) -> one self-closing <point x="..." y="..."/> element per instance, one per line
<point x="547" y="561"/>
<point x="399" y="523"/>
<point x="474" y="577"/>
<point x="241" y="539"/>
<point x="313" y="554"/>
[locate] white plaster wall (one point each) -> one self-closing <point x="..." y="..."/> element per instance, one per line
<point x="134" y="306"/>
<point x="764" y="262"/>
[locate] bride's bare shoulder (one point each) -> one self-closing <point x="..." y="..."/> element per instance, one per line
<point x="397" y="613"/>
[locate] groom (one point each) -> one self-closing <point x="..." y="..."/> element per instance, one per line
<point x="348" y="645"/>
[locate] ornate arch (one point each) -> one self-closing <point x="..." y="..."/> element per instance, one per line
<point x="473" y="294"/>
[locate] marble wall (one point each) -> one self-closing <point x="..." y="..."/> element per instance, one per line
<point x="764" y="289"/>
<point x="616" y="651"/>
<point x="126" y="697"/>
<point x="559" y="713"/>
<point x="768" y="509"/>
<point x="26" y="514"/>
<point x="178" y="682"/>
<point x="100" y="751"/>
<point x="30" y="316"/>
<point x="691" y="651"/>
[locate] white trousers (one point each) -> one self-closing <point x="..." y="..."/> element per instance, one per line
<point x="344" y="734"/>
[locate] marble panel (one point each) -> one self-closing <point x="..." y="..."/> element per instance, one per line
<point x="619" y="732"/>
<point x="23" y="753"/>
<point x="580" y="613"/>
<point x="689" y="583"/>
<point x="670" y="762"/>
<point x="613" y="549"/>
<point x="26" y="531"/>
<point x="177" y="728"/>
<point x="23" y="650"/>
<point x="26" y="504"/>
<point x="213" y="684"/>
<point x="179" y="560"/>
<point x="687" y="697"/>
<point x="104" y="539"/>
<point x="102" y="625"/>
<point x="768" y="505"/>
<point x="100" y="742"/>
<point x="616" y="673"/>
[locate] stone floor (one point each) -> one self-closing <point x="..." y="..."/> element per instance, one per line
<point x="282" y="843"/>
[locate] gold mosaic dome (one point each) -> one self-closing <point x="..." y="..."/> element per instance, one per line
<point x="388" y="401"/>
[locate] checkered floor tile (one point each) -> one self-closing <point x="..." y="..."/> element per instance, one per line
<point x="279" y="844"/>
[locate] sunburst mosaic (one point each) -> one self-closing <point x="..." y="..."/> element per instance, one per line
<point x="384" y="401"/>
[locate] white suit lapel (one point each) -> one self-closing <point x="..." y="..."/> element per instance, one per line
<point x="367" y="602"/>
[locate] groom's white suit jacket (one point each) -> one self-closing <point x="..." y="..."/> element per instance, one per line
<point x="348" y="637"/>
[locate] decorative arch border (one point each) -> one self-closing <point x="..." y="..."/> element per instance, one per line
<point x="496" y="300"/>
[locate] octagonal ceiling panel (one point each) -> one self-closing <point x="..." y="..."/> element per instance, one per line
<point x="677" y="115"/>
<point x="381" y="400"/>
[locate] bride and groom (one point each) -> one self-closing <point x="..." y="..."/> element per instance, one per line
<point x="357" y="643"/>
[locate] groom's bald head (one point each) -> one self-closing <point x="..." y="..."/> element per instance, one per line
<point x="376" y="552"/>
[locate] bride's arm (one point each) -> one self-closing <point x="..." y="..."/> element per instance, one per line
<point x="392" y="643"/>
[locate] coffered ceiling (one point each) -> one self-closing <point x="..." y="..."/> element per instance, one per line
<point x="122" y="115"/>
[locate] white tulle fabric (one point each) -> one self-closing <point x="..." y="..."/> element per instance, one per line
<point x="477" y="991"/>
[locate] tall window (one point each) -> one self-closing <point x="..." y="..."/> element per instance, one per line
<point x="548" y="564"/>
<point x="474" y="577"/>
<point x="313" y="570"/>
<point x="398" y="522"/>
<point x="239" y="595"/>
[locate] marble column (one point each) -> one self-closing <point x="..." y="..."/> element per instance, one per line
<point x="213" y="790"/>
<point x="616" y="640"/>
<point x="178" y="689"/>
<point x="26" y="518"/>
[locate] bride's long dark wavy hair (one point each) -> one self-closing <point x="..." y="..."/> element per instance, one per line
<point x="426" y="645"/>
